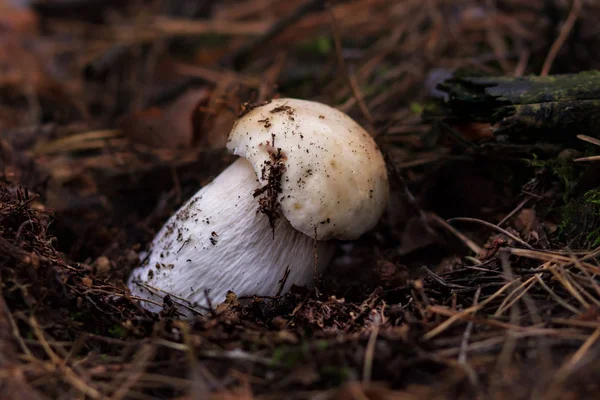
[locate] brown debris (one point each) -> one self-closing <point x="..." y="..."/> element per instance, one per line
<point x="249" y="106"/>
<point x="171" y="127"/>
<point x="272" y="172"/>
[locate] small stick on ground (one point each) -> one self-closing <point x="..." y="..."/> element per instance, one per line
<point x="68" y="374"/>
<point x="370" y="355"/>
<point x="131" y="376"/>
<point x="242" y="55"/>
<point x="349" y="78"/>
<point x="494" y="227"/>
<point x="514" y="211"/>
<point x="14" y="383"/>
<point x="462" y="355"/>
<point x="572" y="363"/>
<point x="468" y="242"/>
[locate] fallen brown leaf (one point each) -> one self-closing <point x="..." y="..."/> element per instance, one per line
<point x="168" y="127"/>
<point x="18" y="19"/>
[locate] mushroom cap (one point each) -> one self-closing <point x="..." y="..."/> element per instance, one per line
<point x="333" y="182"/>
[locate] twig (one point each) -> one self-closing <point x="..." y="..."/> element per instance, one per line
<point x="138" y="367"/>
<point x="366" y="307"/>
<point x="458" y="316"/>
<point x="15" y="383"/>
<point x="522" y="64"/>
<point x="576" y="323"/>
<point x="461" y="316"/>
<point x="70" y="376"/>
<point x="155" y="292"/>
<point x="168" y="26"/>
<point x="441" y="281"/>
<point x="349" y="77"/>
<point x="587" y="274"/>
<point x="239" y="355"/>
<point x="555" y="257"/>
<point x="590" y="158"/>
<point x="520" y="291"/>
<point x="562" y="37"/>
<point x="370" y="355"/>
<point x="567" y="285"/>
<point x="241" y="56"/>
<point x="556" y="298"/>
<point x="462" y="355"/>
<point x="4" y="310"/>
<point x="513" y="212"/>
<point x="494" y="227"/>
<point x="468" y="242"/>
<point x="567" y="368"/>
<point x="589" y="139"/>
<point x="572" y="279"/>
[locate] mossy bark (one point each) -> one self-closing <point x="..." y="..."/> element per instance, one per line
<point x="553" y="108"/>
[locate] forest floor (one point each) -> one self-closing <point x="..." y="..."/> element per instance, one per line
<point x="481" y="280"/>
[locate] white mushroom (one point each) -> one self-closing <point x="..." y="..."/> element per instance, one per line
<point x="307" y="173"/>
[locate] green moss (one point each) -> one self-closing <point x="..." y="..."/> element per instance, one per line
<point x="592" y="200"/>
<point x="580" y="215"/>
<point x="580" y="223"/>
<point x="321" y="345"/>
<point x="335" y="374"/>
<point x="416" y="108"/>
<point x="286" y="356"/>
<point x="563" y="168"/>
<point x="76" y="316"/>
<point x="117" y="331"/>
<point x="292" y="356"/>
<point x="321" y="45"/>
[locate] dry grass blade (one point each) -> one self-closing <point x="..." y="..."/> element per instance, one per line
<point x="162" y="27"/>
<point x="556" y="297"/>
<point x="12" y="375"/>
<point x="493" y="227"/>
<point x="484" y="321"/>
<point x="370" y="355"/>
<point x="471" y="310"/>
<point x="514" y="211"/>
<point x="82" y="141"/>
<point x="67" y="373"/>
<point x="562" y="37"/>
<point x="518" y="293"/>
<point x="573" y="280"/>
<point x="569" y="366"/>
<point x="589" y="139"/>
<point x="590" y="158"/>
<point x="591" y="279"/>
<point x="468" y="242"/>
<point x="179" y="300"/>
<point x="553" y="257"/>
<point x="558" y="275"/>
<point x="130" y="377"/>
<point x="462" y="356"/>
<point x="576" y="323"/>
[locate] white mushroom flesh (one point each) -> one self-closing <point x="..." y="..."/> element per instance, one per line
<point x="218" y="242"/>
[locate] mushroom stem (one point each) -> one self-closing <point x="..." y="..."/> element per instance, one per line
<point x="218" y="241"/>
